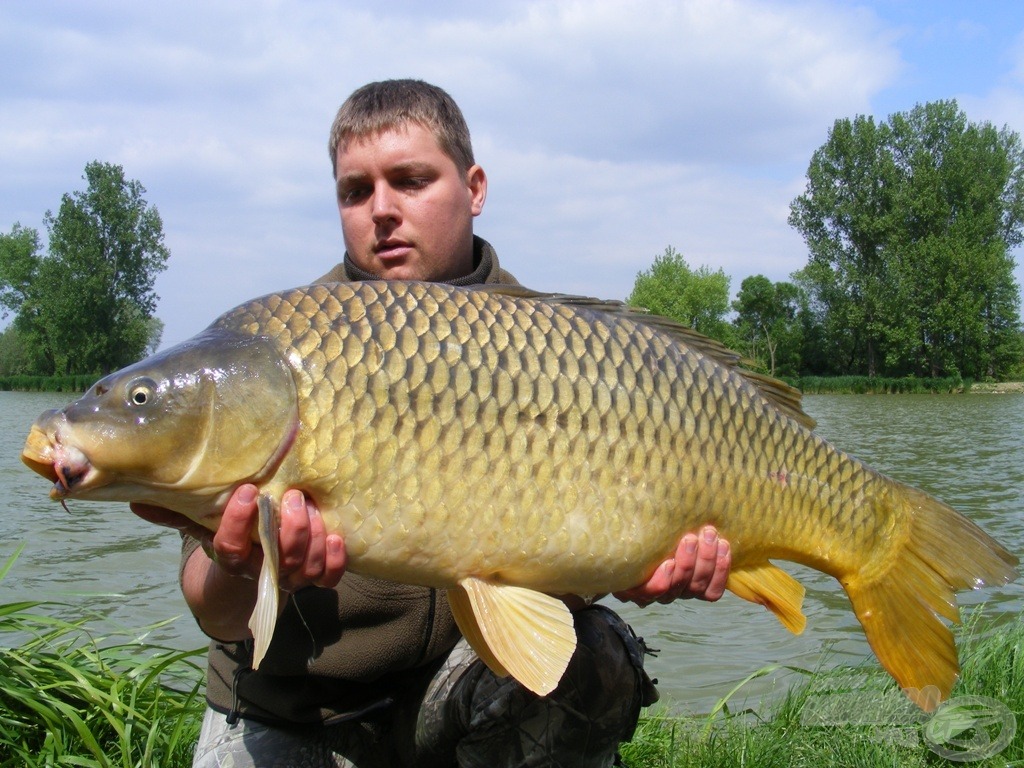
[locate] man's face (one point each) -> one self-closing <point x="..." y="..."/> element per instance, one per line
<point x="406" y="209"/>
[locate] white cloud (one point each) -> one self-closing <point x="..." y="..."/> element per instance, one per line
<point x="588" y="226"/>
<point x="724" y="82"/>
<point x="609" y="129"/>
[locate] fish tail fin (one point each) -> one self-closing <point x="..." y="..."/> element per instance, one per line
<point x="264" y="615"/>
<point x="900" y="607"/>
<point x="770" y="586"/>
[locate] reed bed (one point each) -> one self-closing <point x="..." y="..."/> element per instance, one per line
<point x="879" y="385"/>
<point x="74" y="383"/>
<point x="71" y="697"/>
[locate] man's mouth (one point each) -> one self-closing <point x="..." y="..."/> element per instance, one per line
<point x="391" y="248"/>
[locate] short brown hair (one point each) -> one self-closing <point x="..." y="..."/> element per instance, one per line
<point x="390" y="104"/>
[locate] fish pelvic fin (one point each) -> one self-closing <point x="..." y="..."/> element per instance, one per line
<point x="900" y="606"/>
<point x="264" y="615"/>
<point x="770" y="586"/>
<point x="515" y="631"/>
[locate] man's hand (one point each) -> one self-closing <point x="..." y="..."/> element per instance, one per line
<point x="308" y="554"/>
<point x="699" y="570"/>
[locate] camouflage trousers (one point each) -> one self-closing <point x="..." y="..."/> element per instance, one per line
<point x="468" y="717"/>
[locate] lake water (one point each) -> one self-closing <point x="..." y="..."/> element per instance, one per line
<point x="967" y="450"/>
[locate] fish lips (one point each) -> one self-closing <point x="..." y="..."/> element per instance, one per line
<point x="65" y="466"/>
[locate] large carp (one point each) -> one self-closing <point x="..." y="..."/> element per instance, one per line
<point x="508" y="446"/>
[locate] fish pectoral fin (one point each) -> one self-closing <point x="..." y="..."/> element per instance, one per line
<point x="264" y="615"/>
<point x="770" y="586"/>
<point x="516" y="631"/>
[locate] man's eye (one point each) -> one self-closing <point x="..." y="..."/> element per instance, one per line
<point x="415" y="182"/>
<point x="352" y="194"/>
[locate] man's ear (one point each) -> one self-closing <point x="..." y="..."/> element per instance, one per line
<point x="476" y="182"/>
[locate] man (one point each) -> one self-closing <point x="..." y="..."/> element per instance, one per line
<point x="369" y="673"/>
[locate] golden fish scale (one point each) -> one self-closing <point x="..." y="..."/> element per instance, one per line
<point x="451" y="433"/>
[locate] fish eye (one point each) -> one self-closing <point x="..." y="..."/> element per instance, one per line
<point x="141" y="391"/>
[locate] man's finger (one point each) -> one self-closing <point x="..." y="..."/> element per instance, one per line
<point x="707" y="559"/>
<point x="233" y="540"/>
<point x="723" y="563"/>
<point x="295" y="531"/>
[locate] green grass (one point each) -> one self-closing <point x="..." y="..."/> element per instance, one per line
<point x="68" y="697"/>
<point x="858" y="718"/>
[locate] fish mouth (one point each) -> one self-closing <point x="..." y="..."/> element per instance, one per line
<point x="65" y="466"/>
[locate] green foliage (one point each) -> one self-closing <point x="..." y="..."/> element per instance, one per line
<point x="68" y="697"/>
<point x="87" y="305"/>
<point x="768" y="321"/>
<point x="909" y="224"/>
<point x="19" y="262"/>
<point x="15" y="355"/>
<point x="154" y="333"/>
<point x="696" y="298"/>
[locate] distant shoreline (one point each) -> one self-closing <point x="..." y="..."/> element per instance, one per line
<point x="997" y="388"/>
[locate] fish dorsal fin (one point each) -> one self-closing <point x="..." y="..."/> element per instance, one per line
<point x="515" y="631"/>
<point x="784" y="397"/>
<point x="264" y="615"/>
<point x="770" y="586"/>
<point x="780" y="394"/>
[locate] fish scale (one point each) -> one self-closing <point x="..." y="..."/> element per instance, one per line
<point x="509" y="446"/>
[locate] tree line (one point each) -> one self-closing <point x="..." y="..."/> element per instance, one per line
<point x="86" y="304"/>
<point x="909" y="224"/>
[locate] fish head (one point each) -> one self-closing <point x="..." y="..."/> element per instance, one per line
<point x="180" y="429"/>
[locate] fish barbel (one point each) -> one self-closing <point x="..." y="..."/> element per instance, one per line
<point x="508" y="446"/>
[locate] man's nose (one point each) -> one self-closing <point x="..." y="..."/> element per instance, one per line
<point x="385" y="204"/>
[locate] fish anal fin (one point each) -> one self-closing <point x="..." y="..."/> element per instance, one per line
<point x="264" y="615"/>
<point x="770" y="586"/>
<point x="516" y="631"/>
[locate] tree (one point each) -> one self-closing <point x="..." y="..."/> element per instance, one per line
<point x="87" y="306"/>
<point x="154" y="334"/>
<point x="845" y="216"/>
<point x="768" y="319"/>
<point x="19" y="262"/>
<point x="909" y="224"/>
<point x="23" y="285"/>
<point x="959" y="202"/>
<point x="697" y="298"/>
<point x="15" y="357"/>
<point x="831" y="344"/>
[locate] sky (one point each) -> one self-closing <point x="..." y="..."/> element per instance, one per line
<point x="609" y="130"/>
